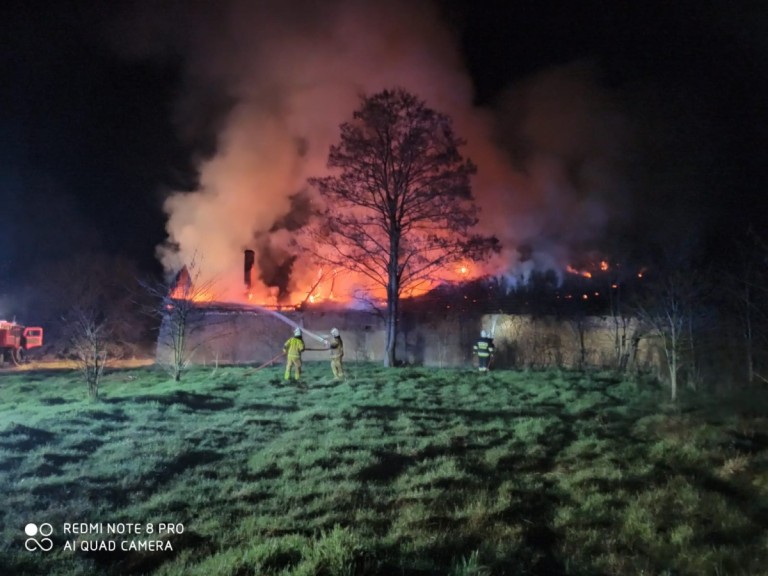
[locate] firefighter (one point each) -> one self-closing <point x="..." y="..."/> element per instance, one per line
<point x="337" y="353"/>
<point x="292" y="349"/>
<point x="484" y="349"/>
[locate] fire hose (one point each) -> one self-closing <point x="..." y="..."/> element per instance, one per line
<point x="268" y="362"/>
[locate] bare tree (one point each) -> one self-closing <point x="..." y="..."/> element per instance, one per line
<point x="177" y="304"/>
<point x="666" y="310"/>
<point x="625" y="328"/>
<point x="90" y="337"/>
<point x="746" y="294"/>
<point x="580" y="325"/>
<point x="400" y="206"/>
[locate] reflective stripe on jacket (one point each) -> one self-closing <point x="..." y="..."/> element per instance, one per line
<point x="293" y="347"/>
<point x="484" y="347"/>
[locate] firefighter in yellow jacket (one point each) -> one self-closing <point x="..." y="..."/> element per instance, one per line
<point x="292" y="349"/>
<point x="337" y="353"/>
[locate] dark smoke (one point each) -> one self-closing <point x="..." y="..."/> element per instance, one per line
<point x="586" y="156"/>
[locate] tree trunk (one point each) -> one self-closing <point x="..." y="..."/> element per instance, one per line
<point x="393" y="292"/>
<point x="392" y="309"/>
<point x="673" y="363"/>
<point x="673" y="377"/>
<point x="748" y="336"/>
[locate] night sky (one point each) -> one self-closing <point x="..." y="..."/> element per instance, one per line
<point x="643" y="124"/>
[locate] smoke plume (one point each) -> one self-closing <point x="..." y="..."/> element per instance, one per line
<point x="289" y="72"/>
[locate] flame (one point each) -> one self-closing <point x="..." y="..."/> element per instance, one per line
<point x="341" y="285"/>
<point x="180" y="293"/>
<point x="323" y="285"/>
<point x="184" y="289"/>
<point x="464" y="269"/>
<point x="585" y="273"/>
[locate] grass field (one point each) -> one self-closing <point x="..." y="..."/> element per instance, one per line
<point x="402" y="472"/>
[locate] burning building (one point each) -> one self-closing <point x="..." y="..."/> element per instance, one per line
<point x="434" y="330"/>
<point x="233" y="334"/>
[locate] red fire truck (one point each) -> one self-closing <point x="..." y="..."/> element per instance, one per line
<point x="17" y="340"/>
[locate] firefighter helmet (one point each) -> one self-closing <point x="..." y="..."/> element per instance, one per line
<point x="334" y="332"/>
<point x="297" y="332"/>
<point x="483" y="334"/>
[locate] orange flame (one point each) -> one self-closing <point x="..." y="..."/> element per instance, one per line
<point x="571" y="270"/>
<point x="180" y="293"/>
<point x="463" y="270"/>
<point x="323" y="285"/>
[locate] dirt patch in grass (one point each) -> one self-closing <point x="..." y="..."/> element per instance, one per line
<point x="52" y="464"/>
<point x="54" y="401"/>
<point x="190" y="400"/>
<point x="191" y="459"/>
<point x="388" y="466"/>
<point x="30" y="438"/>
<point x="57" y="490"/>
<point x="114" y="416"/>
<point x="88" y="445"/>
<point x="260" y="407"/>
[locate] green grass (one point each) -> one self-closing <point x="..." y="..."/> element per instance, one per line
<point x="405" y="472"/>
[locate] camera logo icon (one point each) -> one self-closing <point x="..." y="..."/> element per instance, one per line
<point x="45" y="544"/>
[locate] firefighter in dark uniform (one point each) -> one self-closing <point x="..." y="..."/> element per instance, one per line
<point x="483" y="349"/>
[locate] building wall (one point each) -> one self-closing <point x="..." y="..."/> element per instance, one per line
<point x="247" y="336"/>
<point x="594" y="341"/>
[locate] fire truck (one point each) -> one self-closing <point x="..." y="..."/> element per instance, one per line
<point x="16" y="341"/>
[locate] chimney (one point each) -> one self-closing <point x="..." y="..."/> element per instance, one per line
<point x="249" y="259"/>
